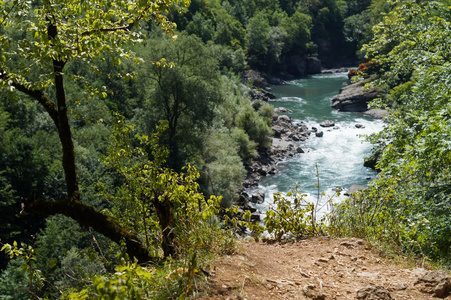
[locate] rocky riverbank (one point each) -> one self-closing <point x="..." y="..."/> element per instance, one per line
<point x="285" y="144"/>
<point x="287" y="139"/>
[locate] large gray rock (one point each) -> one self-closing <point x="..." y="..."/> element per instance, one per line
<point x="376" y="113"/>
<point x="259" y="94"/>
<point x="258" y="197"/>
<point x="312" y="65"/>
<point x="284" y="119"/>
<point x="354" y="188"/>
<point x="354" y="98"/>
<point x="278" y="130"/>
<point x="283" y="110"/>
<point x="311" y="291"/>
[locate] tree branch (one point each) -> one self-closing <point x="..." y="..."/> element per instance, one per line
<point x="109" y="29"/>
<point x="112" y="29"/>
<point x="39" y="95"/>
<point x="88" y="217"/>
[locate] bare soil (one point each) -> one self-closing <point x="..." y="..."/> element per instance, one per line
<point x="317" y="268"/>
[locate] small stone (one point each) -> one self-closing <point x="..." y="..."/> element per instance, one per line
<point x="300" y="150"/>
<point x="373" y="293"/>
<point x="311" y="291"/>
<point x="398" y="287"/>
<point x="354" y="188"/>
<point x="359" y="126"/>
<point x="319" y="134"/>
<point x="348" y="244"/>
<point x="434" y="282"/>
<point x="359" y="242"/>
<point x="304" y="274"/>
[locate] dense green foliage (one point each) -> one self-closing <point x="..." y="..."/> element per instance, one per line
<point x="87" y="83"/>
<point x="273" y="33"/>
<point x="409" y="205"/>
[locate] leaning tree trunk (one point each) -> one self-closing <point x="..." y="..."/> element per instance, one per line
<point x="167" y="223"/>
<point x="87" y="216"/>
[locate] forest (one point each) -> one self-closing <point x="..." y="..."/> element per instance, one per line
<point x="126" y="130"/>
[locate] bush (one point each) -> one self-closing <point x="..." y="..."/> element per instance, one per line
<point x="255" y="126"/>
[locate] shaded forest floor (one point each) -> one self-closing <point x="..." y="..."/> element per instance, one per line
<point x="318" y="268"/>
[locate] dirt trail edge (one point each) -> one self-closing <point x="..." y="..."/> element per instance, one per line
<point x="320" y="268"/>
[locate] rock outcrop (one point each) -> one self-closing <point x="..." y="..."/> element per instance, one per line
<point x="354" y="98"/>
<point x="312" y="65"/>
<point x="284" y="144"/>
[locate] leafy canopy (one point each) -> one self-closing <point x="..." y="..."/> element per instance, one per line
<point x="410" y="203"/>
<point x="33" y="36"/>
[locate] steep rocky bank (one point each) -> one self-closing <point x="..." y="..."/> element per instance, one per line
<point x="285" y="143"/>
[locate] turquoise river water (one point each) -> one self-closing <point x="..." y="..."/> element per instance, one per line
<point x="339" y="154"/>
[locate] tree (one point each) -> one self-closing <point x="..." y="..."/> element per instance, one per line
<point x="38" y="42"/>
<point x="258" y="39"/>
<point x="230" y="32"/>
<point x="185" y="94"/>
<point x="298" y="32"/>
<point x="410" y="203"/>
<point x="154" y="200"/>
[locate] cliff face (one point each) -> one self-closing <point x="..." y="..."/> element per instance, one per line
<point x="354" y="98"/>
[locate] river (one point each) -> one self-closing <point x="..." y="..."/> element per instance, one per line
<point x="338" y="155"/>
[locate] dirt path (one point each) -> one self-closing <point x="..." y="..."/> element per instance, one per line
<point x="318" y="268"/>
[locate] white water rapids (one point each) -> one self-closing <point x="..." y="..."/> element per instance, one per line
<point x="339" y="154"/>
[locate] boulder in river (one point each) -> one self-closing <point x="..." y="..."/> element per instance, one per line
<point x="319" y="134"/>
<point x="375" y="113"/>
<point x="283" y="110"/>
<point x="354" y="188"/>
<point x="312" y="65"/>
<point x="327" y="123"/>
<point x="354" y="98"/>
<point x="258" y="197"/>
